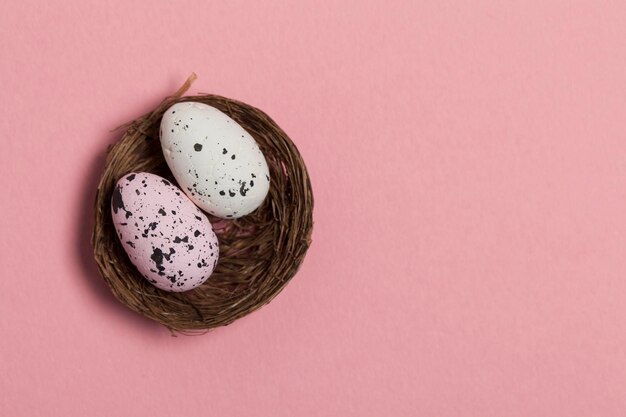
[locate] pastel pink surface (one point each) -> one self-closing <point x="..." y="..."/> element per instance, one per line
<point x="469" y="167"/>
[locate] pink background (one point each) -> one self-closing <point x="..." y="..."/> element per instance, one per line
<point x="469" y="167"/>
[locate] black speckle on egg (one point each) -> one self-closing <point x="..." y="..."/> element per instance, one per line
<point x="157" y="257"/>
<point x="233" y="157"/>
<point x="222" y="192"/>
<point x="197" y="147"/>
<point x="243" y="190"/>
<point x="118" y="203"/>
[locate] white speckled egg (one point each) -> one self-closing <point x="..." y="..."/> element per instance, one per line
<point x="215" y="161"/>
<point x="168" y="239"/>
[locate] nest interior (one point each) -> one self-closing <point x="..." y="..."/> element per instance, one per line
<point x="259" y="253"/>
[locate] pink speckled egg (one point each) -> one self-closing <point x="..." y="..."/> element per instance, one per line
<point x="168" y="239"/>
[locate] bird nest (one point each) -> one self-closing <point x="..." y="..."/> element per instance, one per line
<point x="259" y="253"/>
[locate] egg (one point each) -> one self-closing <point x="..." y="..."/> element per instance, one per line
<point x="168" y="239"/>
<point x="216" y="162"/>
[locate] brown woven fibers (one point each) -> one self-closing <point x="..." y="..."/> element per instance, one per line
<point x="259" y="253"/>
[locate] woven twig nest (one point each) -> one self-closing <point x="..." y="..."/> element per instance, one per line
<point x="259" y="253"/>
